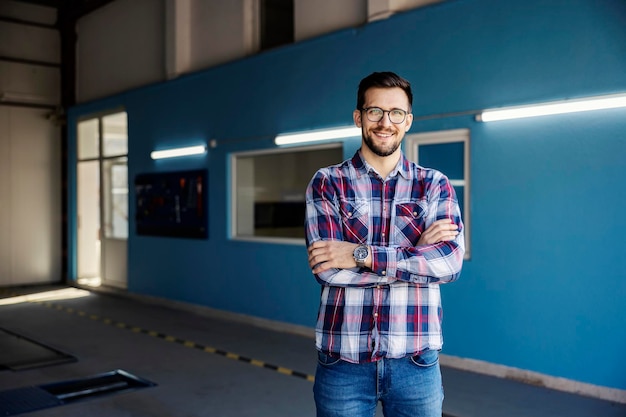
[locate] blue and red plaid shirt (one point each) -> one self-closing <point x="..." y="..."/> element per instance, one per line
<point x="393" y="309"/>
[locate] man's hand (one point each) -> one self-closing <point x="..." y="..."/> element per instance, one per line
<point x="327" y="254"/>
<point x="440" y="231"/>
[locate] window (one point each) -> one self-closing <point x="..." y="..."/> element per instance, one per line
<point x="115" y="134"/>
<point x="448" y="152"/>
<point x="88" y="146"/>
<point x="115" y="180"/>
<point x="268" y="190"/>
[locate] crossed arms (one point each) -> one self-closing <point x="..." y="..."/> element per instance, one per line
<point x="437" y="257"/>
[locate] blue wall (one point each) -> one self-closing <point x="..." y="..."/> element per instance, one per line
<point x="545" y="289"/>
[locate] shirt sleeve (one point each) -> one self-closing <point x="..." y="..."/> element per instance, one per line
<point x="424" y="264"/>
<point x="323" y="222"/>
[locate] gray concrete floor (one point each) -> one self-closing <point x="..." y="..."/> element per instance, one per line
<point x="174" y="348"/>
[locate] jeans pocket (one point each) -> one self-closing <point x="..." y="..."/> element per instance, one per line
<point x="426" y="359"/>
<point x="327" y="360"/>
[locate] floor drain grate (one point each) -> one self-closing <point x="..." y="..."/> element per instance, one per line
<point x="18" y="352"/>
<point x="23" y="400"/>
<point x="28" y="399"/>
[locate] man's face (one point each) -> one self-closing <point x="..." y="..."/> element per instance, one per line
<point x="383" y="138"/>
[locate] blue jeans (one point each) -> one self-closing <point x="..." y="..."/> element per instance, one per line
<point x="407" y="387"/>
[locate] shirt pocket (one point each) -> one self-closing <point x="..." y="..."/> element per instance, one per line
<point x="408" y="223"/>
<point x="355" y="220"/>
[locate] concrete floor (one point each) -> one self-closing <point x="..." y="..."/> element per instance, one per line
<point x="201" y="364"/>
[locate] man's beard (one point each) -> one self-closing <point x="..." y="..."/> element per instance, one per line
<point x="379" y="150"/>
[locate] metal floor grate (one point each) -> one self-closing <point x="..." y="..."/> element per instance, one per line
<point x="28" y="399"/>
<point x="23" y="400"/>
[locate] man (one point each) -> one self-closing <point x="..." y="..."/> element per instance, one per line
<point x="382" y="234"/>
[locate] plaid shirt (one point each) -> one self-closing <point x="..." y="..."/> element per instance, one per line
<point x="394" y="309"/>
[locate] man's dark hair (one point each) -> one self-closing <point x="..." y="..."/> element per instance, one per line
<point x="382" y="80"/>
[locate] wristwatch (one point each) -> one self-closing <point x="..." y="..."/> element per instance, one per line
<point x="360" y="254"/>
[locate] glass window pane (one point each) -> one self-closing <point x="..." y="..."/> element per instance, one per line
<point x="460" y="196"/>
<point x="270" y="190"/>
<point x="88" y="224"/>
<point x="115" y="134"/>
<point x="115" y="183"/>
<point x="444" y="157"/>
<point x="87" y="139"/>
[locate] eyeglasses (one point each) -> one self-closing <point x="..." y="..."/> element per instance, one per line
<point x="376" y="114"/>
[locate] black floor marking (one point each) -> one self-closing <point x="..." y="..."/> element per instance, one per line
<point x="186" y="343"/>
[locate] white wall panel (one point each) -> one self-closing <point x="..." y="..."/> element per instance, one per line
<point x="30" y="161"/>
<point x="218" y="32"/>
<point x="29" y="42"/>
<point x="314" y="18"/>
<point x="131" y="43"/>
<point x="120" y="46"/>
<point x="382" y="9"/>
<point x="28" y="11"/>
<point x="177" y="37"/>
<point x="30" y="246"/>
<point x="31" y="82"/>
<point x="204" y="33"/>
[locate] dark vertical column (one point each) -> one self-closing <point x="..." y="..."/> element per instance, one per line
<point x="67" y="29"/>
<point x="277" y="23"/>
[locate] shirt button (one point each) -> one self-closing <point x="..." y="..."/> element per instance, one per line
<point x="349" y="214"/>
<point x="384" y="272"/>
<point x="375" y="315"/>
<point x="415" y="213"/>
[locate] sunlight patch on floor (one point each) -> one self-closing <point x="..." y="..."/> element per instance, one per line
<point x="90" y="282"/>
<point x="64" y="294"/>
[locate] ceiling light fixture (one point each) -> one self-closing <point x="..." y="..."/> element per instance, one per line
<point x="176" y="152"/>
<point x="317" y="135"/>
<point x="556" y="107"/>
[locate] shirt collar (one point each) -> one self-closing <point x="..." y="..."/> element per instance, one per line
<point x="363" y="168"/>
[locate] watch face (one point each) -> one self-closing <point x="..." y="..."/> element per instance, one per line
<point x="361" y="252"/>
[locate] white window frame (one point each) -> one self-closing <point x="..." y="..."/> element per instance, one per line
<point x="233" y="191"/>
<point x="412" y="144"/>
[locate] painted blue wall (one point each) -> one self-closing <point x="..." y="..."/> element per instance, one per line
<point x="545" y="289"/>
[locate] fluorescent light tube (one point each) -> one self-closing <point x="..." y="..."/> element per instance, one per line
<point x="176" y="152"/>
<point x="557" y="107"/>
<point x="317" y="135"/>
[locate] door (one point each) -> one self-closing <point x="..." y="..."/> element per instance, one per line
<point x="102" y="200"/>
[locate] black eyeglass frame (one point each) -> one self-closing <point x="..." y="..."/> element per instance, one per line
<point x="367" y="109"/>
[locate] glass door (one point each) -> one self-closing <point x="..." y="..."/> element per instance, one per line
<point x="102" y="201"/>
<point x="88" y="203"/>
